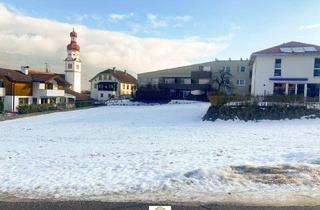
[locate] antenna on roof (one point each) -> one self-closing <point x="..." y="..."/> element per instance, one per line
<point x="47" y="69"/>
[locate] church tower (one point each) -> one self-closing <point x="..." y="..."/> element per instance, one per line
<point x="73" y="63"/>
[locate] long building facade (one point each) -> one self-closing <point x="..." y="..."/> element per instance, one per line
<point x="196" y="80"/>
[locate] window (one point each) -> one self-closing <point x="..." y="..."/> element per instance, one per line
<point x="316" y="71"/>
<point x="277" y="67"/>
<point x="95" y="86"/>
<point x="23" y="101"/>
<point x="279" y="88"/>
<point x="1" y="84"/>
<point x="44" y="101"/>
<point x="34" y="100"/>
<point x="277" y="63"/>
<point x="69" y="65"/>
<point x="169" y="80"/>
<point x="200" y="68"/>
<point x="100" y="77"/>
<point x="128" y="87"/>
<point x="291" y="89"/>
<point x="110" y="77"/>
<point x="105" y="76"/>
<point x="49" y="86"/>
<point x="241" y="82"/>
<point x="300" y="89"/>
<point x="241" y="69"/>
<point x="101" y="95"/>
<point x="226" y="69"/>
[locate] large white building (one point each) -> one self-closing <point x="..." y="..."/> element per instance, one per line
<point x="291" y="68"/>
<point x="73" y="63"/>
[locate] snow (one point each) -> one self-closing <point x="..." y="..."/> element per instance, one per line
<point x="159" y="152"/>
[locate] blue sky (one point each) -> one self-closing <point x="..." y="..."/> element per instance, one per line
<point x="145" y="35"/>
<point x="254" y="24"/>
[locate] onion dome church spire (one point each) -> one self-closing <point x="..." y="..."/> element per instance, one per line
<point x="73" y="63"/>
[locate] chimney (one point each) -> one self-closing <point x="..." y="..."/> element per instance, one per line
<point x="113" y="68"/>
<point x="25" y="70"/>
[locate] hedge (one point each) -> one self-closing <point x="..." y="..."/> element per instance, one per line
<point x="80" y="104"/>
<point x="1" y="106"/>
<point x="25" y="109"/>
<point x="254" y="112"/>
<point x="152" y="94"/>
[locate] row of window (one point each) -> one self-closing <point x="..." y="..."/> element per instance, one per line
<point x="240" y="69"/>
<point x="105" y="77"/>
<point x="70" y="66"/>
<point x="277" y="67"/>
<point x="312" y="90"/>
<point x="25" y="101"/>
<point x="240" y="82"/>
<point x="113" y="86"/>
<point x="225" y="68"/>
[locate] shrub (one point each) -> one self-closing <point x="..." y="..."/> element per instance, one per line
<point x="25" y="108"/>
<point x="80" y="104"/>
<point x="255" y="112"/>
<point x="151" y="94"/>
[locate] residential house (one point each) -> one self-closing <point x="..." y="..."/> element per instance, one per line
<point x="291" y="68"/>
<point x="25" y="86"/>
<point x="112" y="83"/>
<point x="187" y="81"/>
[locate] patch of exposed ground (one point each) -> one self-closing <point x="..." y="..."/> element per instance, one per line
<point x="277" y="175"/>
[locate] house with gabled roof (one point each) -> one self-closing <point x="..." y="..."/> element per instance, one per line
<point x="112" y="83"/>
<point x="26" y="87"/>
<point x="291" y="68"/>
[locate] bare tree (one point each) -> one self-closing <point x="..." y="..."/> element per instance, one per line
<point x="221" y="81"/>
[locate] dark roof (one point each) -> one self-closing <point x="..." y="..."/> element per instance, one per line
<point x="33" y="76"/>
<point x="79" y="96"/>
<point x="47" y="77"/>
<point x="122" y="76"/>
<point x="14" y="75"/>
<point x="292" y="44"/>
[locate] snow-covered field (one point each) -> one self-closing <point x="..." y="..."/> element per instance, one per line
<point x="161" y="152"/>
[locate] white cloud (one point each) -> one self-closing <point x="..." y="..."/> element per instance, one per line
<point x="115" y="17"/>
<point x="156" y="22"/>
<point x="162" y="22"/>
<point x="310" y="26"/>
<point x="34" y="41"/>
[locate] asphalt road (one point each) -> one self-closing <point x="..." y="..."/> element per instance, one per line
<point x="96" y="205"/>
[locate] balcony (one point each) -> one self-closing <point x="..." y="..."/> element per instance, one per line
<point x="49" y="93"/>
<point x="2" y="91"/>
